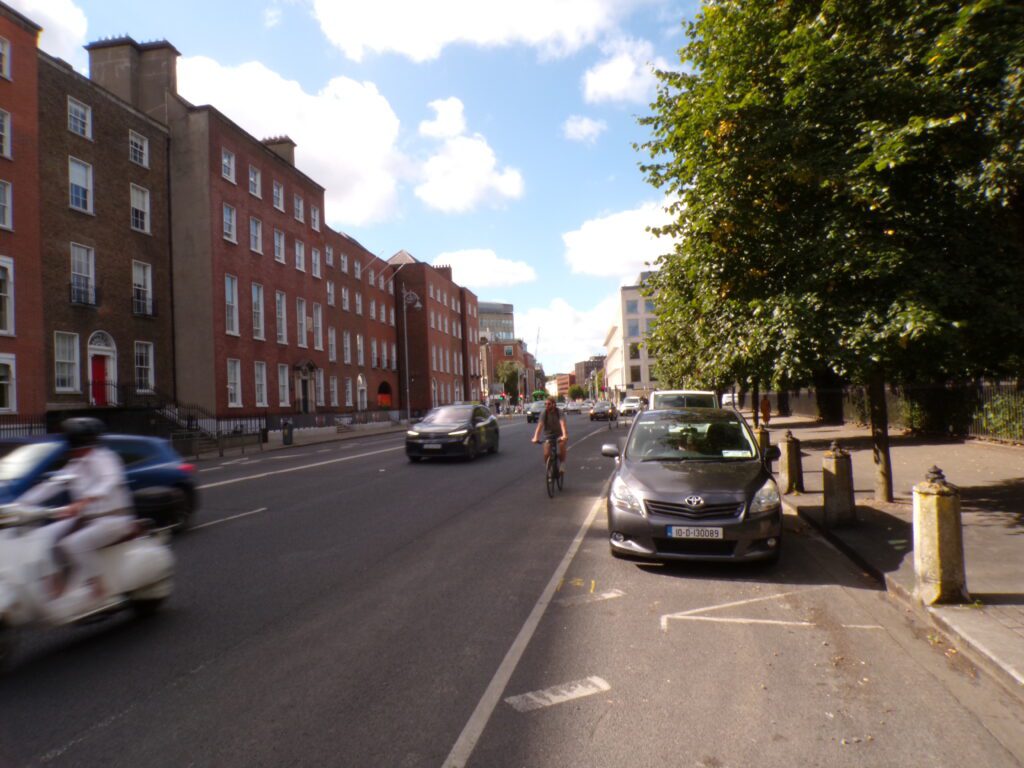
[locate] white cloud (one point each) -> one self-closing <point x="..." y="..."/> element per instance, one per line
<point x="618" y="245"/>
<point x="448" y="121"/>
<point x="465" y="174"/>
<point x="482" y="268"/>
<point x="420" y="30"/>
<point x="567" y="334"/>
<point x="271" y="17"/>
<point x="625" y="74"/>
<point x="346" y="133"/>
<point x="583" y="129"/>
<point x="64" y="28"/>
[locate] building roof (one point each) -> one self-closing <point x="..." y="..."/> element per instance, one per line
<point x="116" y="42"/>
<point x="17" y="18"/>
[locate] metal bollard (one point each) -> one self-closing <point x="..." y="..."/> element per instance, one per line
<point x="837" y="474"/>
<point x="791" y="469"/>
<point x="938" y="541"/>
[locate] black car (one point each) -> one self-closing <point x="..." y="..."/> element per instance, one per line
<point x="603" y="411"/>
<point x="453" y="430"/>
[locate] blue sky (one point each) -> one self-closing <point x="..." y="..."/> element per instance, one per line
<point x="493" y="136"/>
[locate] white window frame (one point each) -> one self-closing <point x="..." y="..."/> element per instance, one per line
<point x="299" y="207"/>
<point x="278" y="195"/>
<point x="320" y="386"/>
<point x="357" y="269"/>
<point x="314" y="218"/>
<point x="334" y="390"/>
<point x="373" y="309"/>
<point x="284" y="389"/>
<point x="142" y="213"/>
<point x="394" y="357"/>
<point x="281" y="316"/>
<point x="359" y="303"/>
<point x="7" y="205"/>
<point x="346" y="347"/>
<point x="230" y="223"/>
<point x="300" y="256"/>
<point x="12" y="394"/>
<point x="231" y="305"/>
<point x="392" y="316"/>
<point x="373" y="353"/>
<point x="5" y="58"/>
<point x="345" y="298"/>
<point x="227" y="165"/>
<point x="138" y="148"/>
<point x="7" y="314"/>
<point x="150" y="384"/>
<point x="301" y="330"/>
<point x="343" y="262"/>
<point x="318" y="326"/>
<point x="259" y="370"/>
<point x="75" y="362"/>
<point x="330" y="293"/>
<point x="315" y="258"/>
<point x="234" y="370"/>
<point x="5" y="133"/>
<point x="348" y="391"/>
<point x="280" y="246"/>
<point x="259" y="325"/>
<point x="86" y="132"/>
<point x="88" y="188"/>
<point x="329" y="255"/>
<point x="332" y="344"/>
<point x="255" y="181"/>
<point x="90" y="275"/>
<point x="256" y="235"/>
<point x="142" y="292"/>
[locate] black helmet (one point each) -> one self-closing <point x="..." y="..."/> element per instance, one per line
<point x="82" y="431"/>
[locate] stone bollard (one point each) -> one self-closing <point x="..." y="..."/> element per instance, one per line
<point x="938" y="541"/>
<point x="791" y="470"/>
<point x="764" y="439"/>
<point x="837" y="472"/>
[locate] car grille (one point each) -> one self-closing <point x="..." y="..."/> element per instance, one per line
<point x="709" y="547"/>
<point x="729" y="509"/>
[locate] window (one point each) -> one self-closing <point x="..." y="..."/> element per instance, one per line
<point x="373" y="309"/>
<point x="299" y="205"/>
<point x="631" y="306"/>
<point x="380" y="281"/>
<point x="300" y="321"/>
<point x="343" y="262"/>
<point x="79" y="118"/>
<point x="392" y="315"/>
<point x="279" y="245"/>
<point x="360" y="357"/>
<point x="508" y="351"/>
<point x="318" y="328"/>
<point x="230" y="230"/>
<point x="300" y="256"/>
<point x="142" y="288"/>
<point x="344" y="298"/>
<point x="5" y="133"/>
<point x="257" y="311"/>
<point x="384" y="355"/>
<point x="282" y="317"/>
<point x="279" y="195"/>
<point x="256" y="188"/>
<point x="5" y="205"/>
<point x="330" y="293"/>
<point x="370" y="278"/>
<point x="140" y="208"/>
<point x="433" y="358"/>
<point x="283" y="395"/>
<point x="83" y="271"/>
<point x="432" y="324"/>
<point x="138" y="149"/>
<point x="633" y="328"/>
<point x="8" y="385"/>
<point x="357" y="269"/>
<point x="649" y="307"/>
<point x="373" y="353"/>
<point x="260" y="377"/>
<point x="634" y="351"/>
<point x="144" y="366"/>
<point x="383" y="313"/>
<point x="346" y="348"/>
<point x="314" y="218"/>
<point x="80" y="185"/>
<point x="332" y="345"/>
<point x="394" y="357"/>
<point x="255" y="235"/>
<point x="65" y="353"/>
<point x="316" y="262"/>
<point x="6" y="296"/>
<point x="5" y="58"/>
<point x="348" y="391"/>
<point x="227" y="165"/>
<point x="329" y="255"/>
<point x="319" y="386"/>
<point x="231" y="305"/>
<point x="234" y="383"/>
<point x="430" y="288"/>
<point x="391" y="287"/>
<point x="634" y="375"/>
<point x="334" y="391"/>
<point x="359" y="303"/>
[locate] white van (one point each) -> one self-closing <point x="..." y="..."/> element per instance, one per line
<point x="669" y="399"/>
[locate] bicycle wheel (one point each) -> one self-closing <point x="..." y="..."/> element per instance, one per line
<point x="559" y="477"/>
<point x="549" y="477"/>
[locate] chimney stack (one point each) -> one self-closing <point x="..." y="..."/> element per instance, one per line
<point x="283" y="147"/>
<point x="140" y="73"/>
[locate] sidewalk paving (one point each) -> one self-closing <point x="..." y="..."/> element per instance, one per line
<point x="990" y="630"/>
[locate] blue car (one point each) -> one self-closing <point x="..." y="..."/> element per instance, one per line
<point x="162" y="483"/>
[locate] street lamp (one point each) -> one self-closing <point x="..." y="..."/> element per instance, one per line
<point x="408" y="297"/>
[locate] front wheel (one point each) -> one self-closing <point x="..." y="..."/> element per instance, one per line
<point x="415" y="459"/>
<point x="550" y="478"/>
<point x="560" y="477"/>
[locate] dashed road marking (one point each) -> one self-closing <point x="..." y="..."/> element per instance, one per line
<point x="227" y="519"/>
<point x="610" y="594"/>
<point x="559" y="694"/>
<point x="299" y="468"/>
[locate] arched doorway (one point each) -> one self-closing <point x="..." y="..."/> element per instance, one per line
<point x="361" y="393"/>
<point x="384" y="395"/>
<point x="102" y="354"/>
<point x="305" y="386"/>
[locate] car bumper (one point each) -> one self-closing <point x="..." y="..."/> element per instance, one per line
<point x="445" y="447"/>
<point x="646" y="538"/>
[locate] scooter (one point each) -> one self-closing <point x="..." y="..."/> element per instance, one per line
<point x="138" y="572"/>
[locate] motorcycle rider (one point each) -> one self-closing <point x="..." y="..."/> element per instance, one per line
<point x="100" y="512"/>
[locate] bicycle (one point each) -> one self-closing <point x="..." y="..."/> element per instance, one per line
<point x="553" y="475"/>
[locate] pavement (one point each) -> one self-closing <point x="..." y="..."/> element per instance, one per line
<point x="989" y="630"/>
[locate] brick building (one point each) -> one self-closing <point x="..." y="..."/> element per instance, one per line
<point x="105" y="244"/>
<point x="22" y="362"/>
<point x="513" y="351"/>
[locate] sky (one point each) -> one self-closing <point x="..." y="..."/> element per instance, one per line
<point x="496" y="137"/>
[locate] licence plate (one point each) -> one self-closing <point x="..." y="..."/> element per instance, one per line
<point x="432" y="446"/>
<point x="693" y="532"/>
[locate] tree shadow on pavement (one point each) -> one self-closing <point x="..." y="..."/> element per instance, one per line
<point x="997" y="503"/>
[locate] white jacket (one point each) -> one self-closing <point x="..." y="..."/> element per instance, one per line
<point x="99" y="473"/>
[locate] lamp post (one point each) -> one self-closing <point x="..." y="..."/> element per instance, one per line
<point x="408" y="297"/>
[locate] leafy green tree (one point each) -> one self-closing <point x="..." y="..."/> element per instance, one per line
<point x="576" y="392"/>
<point x="507" y="372"/>
<point x="846" y="188"/>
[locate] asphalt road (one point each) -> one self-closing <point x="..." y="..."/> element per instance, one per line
<point x="338" y="606"/>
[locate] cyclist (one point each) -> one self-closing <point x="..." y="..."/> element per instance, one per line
<point x="552" y="422"/>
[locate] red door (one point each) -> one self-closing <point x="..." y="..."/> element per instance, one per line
<point x="99" y="380"/>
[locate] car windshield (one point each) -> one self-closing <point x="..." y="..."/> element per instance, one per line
<point x="19" y="461"/>
<point x="662" y="436"/>
<point x="684" y="401"/>
<point x="449" y="414"/>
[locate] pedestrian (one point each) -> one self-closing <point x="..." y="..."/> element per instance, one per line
<point x="766" y="410"/>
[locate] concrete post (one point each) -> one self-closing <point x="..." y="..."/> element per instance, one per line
<point x="837" y="472"/>
<point x="938" y="541"/>
<point x="791" y="468"/>
<point x="764" y="439"/>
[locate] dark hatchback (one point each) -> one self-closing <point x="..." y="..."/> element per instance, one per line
<point x="162" y="484"/>
<point x="453" y="430"/>
<point x="693" y="485"/>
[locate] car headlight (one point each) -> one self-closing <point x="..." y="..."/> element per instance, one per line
<point x="767" y="499"/>
<point x="413" y="433"/>
<point x="458" y="433"/>
<point x="624" y="498"/>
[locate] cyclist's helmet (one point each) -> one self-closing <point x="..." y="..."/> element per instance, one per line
<point x="82" y="431"/>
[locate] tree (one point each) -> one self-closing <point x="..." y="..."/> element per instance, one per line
<point x="507" y="372"/>
<point x="846" y="191"/>
<point x="576" y="392"/>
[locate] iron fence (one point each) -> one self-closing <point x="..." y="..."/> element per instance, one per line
<point x="16" y="425"/>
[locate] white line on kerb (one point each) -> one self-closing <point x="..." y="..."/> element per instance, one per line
<point x="527" y="702"/>
<point x="226" y="519"/>
<point x="478" y="720"/>
<point x="296" y="469"/>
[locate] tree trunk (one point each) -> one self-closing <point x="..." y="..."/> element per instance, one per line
<point x="755" y="402"/>
<point x="880" y="435"/>
<point x="782" y="404"/>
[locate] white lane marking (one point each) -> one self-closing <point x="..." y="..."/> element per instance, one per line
<point x="227" y="519"/>
<point x="324" y="450"/>
<point x="240" y="460"/>
<point x="471" y="733"/>
<point x="210" y="469"/>
<point x="582" y="599"/>
<point x="299" y="468"/>
<point x="558" y="694"/>
<point x="729" y="620"/>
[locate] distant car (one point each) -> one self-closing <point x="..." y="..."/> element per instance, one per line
<point x="603" y="411"/>
<point x="683" y="398"/>
<point x="161" y="482"/>
<point x="573" y="407"/>
<point x="534" y="410"/>
<point x="693" y="485"/>
<point x="729" y="400"/>
<point x="631" y="406"/>
<point x="453" y="430"/>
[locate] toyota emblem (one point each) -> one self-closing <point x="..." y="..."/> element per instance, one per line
<point x="693" y="501"/>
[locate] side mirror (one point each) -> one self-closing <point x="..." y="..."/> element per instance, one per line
<point x="773" y="453"/>
<point x="610" y="450"/>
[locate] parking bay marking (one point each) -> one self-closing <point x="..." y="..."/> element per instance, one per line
<point x="590" y="597"/>
<point x="558" y="694"/>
